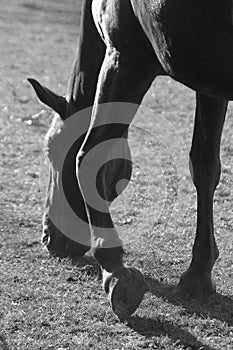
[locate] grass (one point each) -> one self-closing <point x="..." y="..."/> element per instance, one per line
<point x="52" y="304"/>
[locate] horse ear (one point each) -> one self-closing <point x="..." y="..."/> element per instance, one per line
<point x="48" y="97"/>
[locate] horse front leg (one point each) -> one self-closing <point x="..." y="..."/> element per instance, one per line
<point x="205" y="169"/>
<point x="121" y="87"/>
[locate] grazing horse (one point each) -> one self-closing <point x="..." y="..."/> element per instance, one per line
<point x="124" y="45"/>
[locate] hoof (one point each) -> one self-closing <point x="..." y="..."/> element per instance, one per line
<point x="195" y="285"/>
<point x="125" y="289"/>
<point x="61" y="246"/>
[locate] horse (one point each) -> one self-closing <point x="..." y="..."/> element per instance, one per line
<point x="124" y="45"/>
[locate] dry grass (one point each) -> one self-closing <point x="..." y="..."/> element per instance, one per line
<point x="49" y="304"/>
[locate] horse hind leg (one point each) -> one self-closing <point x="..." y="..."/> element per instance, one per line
<point x="205" y="169"/>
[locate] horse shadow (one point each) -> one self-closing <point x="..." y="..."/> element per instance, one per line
<point x="149" y="327"/>
<point x="217" y="307"/>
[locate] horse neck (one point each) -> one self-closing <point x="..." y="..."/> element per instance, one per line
<point x="86" y="67"/>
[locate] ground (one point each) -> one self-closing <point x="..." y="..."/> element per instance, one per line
<point x="52" y="304"/>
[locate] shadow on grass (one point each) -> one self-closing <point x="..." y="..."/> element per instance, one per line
<point x="151" y="327"/>
<point x="216" y="306"/>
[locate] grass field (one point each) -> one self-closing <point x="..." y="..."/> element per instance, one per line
<point x="51" y="304"/>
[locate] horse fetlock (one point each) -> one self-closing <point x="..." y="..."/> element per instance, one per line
<point x="196" y="283"/>
<point x="205" y="253"/>
<point x="125" y="289"/>
<point x="110" y="259"/>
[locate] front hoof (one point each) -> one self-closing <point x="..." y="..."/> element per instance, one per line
<point x="195" y="284"/>
<point x="125" y="289"/>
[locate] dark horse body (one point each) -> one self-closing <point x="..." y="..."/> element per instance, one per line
<point x="124" y="45"/>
